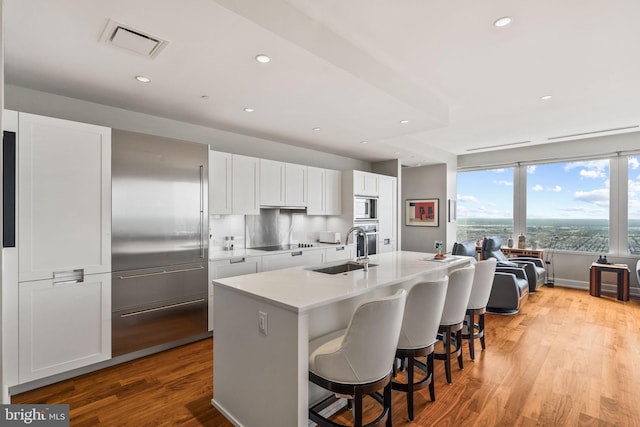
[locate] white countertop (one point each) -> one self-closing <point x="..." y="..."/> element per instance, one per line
<point x="299" y="289"/>
<point x="221" y="254"/>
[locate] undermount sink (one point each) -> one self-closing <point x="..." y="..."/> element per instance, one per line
<point x="341" y="268"/>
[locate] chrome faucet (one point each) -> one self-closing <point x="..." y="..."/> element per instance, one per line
<point x="365" y="259"/>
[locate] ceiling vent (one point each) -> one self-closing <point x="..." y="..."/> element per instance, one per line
<point x="133" y="40"/>
<point x="595" y="132"/>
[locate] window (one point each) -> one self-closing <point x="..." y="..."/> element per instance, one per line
<point x="485" y="204"/>
<point x="568" y="206"/>
<point x="634" y="205"/>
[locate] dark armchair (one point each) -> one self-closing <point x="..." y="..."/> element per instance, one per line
<point x="534" y="267"/>
<point x="510" y="283"/>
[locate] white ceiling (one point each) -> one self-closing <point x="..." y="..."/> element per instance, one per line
<point x="353" y="68"/>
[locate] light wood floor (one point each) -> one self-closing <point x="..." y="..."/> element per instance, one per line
<point x="566" y="359"/>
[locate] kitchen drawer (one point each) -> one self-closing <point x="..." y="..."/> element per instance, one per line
<point x="292" y="259"/>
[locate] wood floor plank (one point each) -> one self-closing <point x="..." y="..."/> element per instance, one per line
<point x="566" y="359"/>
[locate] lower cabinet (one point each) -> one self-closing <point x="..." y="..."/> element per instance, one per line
<point x="386" y="245"/>
<point x="339" y="253"/>
<point x="63" y="326"/>
<point x="292" y="259"/>
<point x="228" y="268"/>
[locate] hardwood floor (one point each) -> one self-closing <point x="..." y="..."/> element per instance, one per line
<point x="566" y="359"/>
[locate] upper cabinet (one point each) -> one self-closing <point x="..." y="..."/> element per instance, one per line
<point x="64" y="197"/>
<point x="324" y="190"/>
<point x="296" y="185"/>
<point x="282" y="184"/>
<point x="365" y="183"/>
<point x="272" y="183"/>
<point x="234" y="184"/>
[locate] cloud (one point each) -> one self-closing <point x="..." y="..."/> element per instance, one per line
<point x="537" y="187"/>
<point x="555" y="189"/>
<point x="531" y="169"/>
<point x="634" y="163"/>
<point x="501" y="170"/>
<point x="599" y="197"/>
<point x="468" y="199"/>
<point x="590" y="169"/>
<point x="584" y="209"/>
<point x="503" y="182"/>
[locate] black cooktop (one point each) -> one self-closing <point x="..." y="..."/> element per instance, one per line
<point x="284" y="247"/>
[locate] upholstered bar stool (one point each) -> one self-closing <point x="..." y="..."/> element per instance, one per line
<point x="358" y="361"/>
<point x="477" y="306"/>
<point x="418" y="336"/>
<point x="453" y="314"/>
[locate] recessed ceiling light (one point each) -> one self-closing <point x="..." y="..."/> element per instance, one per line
<point x="262" y="58"/>
<point x="404" y="122"/>
<point x="364" y="142"/>
<point x="316" y="129"/>
<point x="143" y="79"/>
<point x="544" y="98"/>
<point x="502" y="22"/>
<point x="249" y="110"/>
<point x="204" y="96"/>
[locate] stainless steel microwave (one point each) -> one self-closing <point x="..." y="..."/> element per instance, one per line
<point x="365" y="208"/>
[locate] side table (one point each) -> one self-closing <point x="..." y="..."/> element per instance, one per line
<point x="595" y="279"/>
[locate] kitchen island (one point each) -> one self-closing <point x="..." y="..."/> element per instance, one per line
<point x="264" y="321"/>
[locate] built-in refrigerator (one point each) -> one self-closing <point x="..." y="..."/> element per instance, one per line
<point x="159" y="242"/>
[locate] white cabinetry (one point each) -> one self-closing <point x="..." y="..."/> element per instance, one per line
<point x="64" y="246"/>
<point x="220" y="269"/>
<point x="64" y="197"/>
<point x="333" y="197"/>
<point x="272" y="183"/>
<point x="339" y="253"/>
<point x="63" y="326"/>
<point x="234" y="184"/>
<point x="387" y="213"/>
<point x="220" y="178"/>
<point x="365" y="183"/>
<point x="324" y="191"/>
<point x="292" y="259"/>
<point x="296" y="185"/>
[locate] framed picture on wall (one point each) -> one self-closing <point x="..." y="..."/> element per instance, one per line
<point x="421" y="212"/>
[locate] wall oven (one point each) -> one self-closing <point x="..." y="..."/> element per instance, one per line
<point x="365" y="208"/>
<point x="371" y="228"/>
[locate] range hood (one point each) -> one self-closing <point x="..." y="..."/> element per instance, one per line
<point x="287" y="209"/>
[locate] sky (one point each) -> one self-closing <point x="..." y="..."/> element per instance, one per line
<point x="558" y="190"/>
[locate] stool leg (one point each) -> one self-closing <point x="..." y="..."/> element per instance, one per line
<point x="481" y="329"/>
<point x="410" y="363"/>
<point x="471" y="330"/>
<point x="446" y="338"/>
<point x="387" y="402"/>
<point x="459" y="347"/>
<point x="432" y="390"/>
<point x="357" y="410"/>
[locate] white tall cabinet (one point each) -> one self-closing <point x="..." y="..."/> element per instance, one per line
<point x="324" y="191"/>
<point x="64" y="245"/>
<point x="387" y="213"/>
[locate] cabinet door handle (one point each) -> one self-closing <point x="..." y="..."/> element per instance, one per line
<point x="296" y="253"/>
<point x="341" y="248"/>
<point x="67" y="277"/>
<point x="164" y="307"/>
<point x="236" y="260"/>
<point x="387" y="241"/>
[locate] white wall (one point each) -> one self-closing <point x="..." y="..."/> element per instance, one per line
<point x="47" y="104"/>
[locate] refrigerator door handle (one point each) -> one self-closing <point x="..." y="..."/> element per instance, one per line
<point x="201" y="211"/>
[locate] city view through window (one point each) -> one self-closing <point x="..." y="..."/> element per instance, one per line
<point x="567" y="205"/>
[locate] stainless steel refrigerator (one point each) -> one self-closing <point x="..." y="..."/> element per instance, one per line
<point x="159" y="245"/>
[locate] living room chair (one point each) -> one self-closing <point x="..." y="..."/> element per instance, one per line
<point x="358" y="361"/>
<point x="465" y="248"/>
<point x="422" y="314"/>
<point x="534" y="267"/>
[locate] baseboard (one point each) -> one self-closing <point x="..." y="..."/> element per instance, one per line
<point x="606" y="288"/>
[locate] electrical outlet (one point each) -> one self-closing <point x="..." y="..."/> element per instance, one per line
<point x="262" y="322"/>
